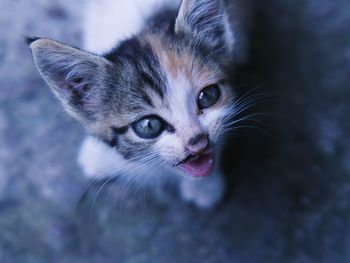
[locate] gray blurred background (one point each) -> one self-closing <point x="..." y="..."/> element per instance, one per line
<point x="289" y="198"/>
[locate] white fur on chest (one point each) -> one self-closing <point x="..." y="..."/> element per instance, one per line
<point x="108" y="22"/>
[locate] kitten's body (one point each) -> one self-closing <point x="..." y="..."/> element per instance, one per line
<point x="100" y="35"/>
<point x="151" y="60"/>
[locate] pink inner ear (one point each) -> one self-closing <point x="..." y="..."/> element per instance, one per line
<point x="76" y="88"/>
<point x="78" y="84"/>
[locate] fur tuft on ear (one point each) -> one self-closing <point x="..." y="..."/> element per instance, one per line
<point x="207" y="21"/>
<point x="72" y="74"/>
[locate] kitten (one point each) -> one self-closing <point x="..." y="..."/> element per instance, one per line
<point x="152" y="90"/>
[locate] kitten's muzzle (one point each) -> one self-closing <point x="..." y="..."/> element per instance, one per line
<point x="200" y="165"/>
<point x="193" y="157"/>
<point x="187" y="159"/>
<point x="200" y="159"/>
<point x="198" y="144"/>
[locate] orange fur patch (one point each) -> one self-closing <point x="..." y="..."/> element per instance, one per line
<point x="177" y="64"/>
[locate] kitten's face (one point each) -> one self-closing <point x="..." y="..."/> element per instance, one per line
<point x="176" y="108"/>
<point x="159" y="98"/>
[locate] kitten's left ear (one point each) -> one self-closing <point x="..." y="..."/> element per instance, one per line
<point x="207" y="21"/>
<point x="73" y="75"/>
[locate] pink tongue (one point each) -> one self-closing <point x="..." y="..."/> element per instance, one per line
<point x="200" y="167"/>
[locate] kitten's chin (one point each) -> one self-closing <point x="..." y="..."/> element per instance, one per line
<point x="199" y="166"/>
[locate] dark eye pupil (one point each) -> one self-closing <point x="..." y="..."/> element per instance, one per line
<point x="149" y="127"/>
<point x="208" y="96"/>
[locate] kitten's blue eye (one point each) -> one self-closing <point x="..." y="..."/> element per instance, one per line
<point x="149" y="127"/>
<point x="208" y="96"/>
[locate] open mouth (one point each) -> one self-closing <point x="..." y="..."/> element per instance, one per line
<point x="200" y="165"/>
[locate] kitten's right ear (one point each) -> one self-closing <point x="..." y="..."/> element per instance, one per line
<point x="207" y="21"/>
<point x="72" y="74"/>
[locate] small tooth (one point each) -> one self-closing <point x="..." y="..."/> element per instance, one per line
<point x="211" y="161"/>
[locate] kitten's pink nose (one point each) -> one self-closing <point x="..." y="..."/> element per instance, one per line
<point x="198" y="143"/>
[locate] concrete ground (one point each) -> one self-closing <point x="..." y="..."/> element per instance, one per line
<point x="289" y="198"/>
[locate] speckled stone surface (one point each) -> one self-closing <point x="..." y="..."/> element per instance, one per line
<point x="290" y="194"/>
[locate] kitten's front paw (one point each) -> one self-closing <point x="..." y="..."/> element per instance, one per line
<point x="204" y="193"/>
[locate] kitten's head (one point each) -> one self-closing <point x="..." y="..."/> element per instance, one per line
<point x="160" y="97"/>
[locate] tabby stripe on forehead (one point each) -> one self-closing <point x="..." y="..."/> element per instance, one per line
<point x="146" y="98"/>
<point x="150" y="82"/>
<point x="153" y="75"/>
